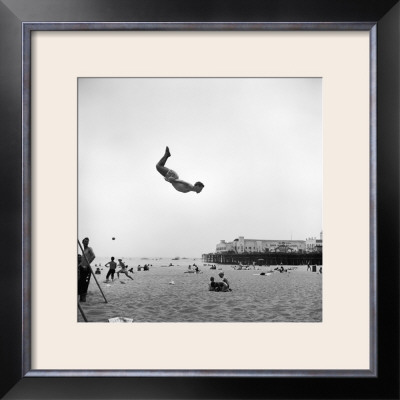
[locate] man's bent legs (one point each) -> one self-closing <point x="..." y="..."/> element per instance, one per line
<point x="162" y="170"/>
<point x="160" y="165"/>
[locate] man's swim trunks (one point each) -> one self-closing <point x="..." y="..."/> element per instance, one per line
<point x="171" y="176"/>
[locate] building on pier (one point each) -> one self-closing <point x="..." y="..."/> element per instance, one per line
<point x="314" y="245"/>
<point x="269" y="258"/>
<point x="242" y="245"/>
<point x="267" y="252"/>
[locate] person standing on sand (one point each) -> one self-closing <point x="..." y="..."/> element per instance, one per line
<point x="113" y="266"/>
<point x="123" y="269"/>
<point x="79" y="266"/>
<point x="173" y="178"/>
<point x="84" y="269"/>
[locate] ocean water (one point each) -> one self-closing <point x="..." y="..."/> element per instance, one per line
<point x="151" y="297"/>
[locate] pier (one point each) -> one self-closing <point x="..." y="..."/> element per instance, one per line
<point x="264" y="258"/>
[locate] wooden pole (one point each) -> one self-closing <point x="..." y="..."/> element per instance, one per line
<point x="83" y="314"/>
<point x="91" y="270"/>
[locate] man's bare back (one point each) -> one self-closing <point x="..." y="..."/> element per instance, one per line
<point x="173" y="178"/>
<point x="182" y="186"/>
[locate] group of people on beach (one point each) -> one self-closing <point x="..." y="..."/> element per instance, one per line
<point x="87" y="256"/>
<point x="84" y="269"/>
<point x="221" y="286"/>
<point x="195" y="268"/>
<point x="112" y="265"/>
<point x="313" y="268"/>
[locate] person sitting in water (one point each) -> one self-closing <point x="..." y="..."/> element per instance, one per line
<point x="213" y="286"/>
<point x="123" y="269"/>
<point x="224" y="284"/>
<point x="173" y="178"/>
<point x="217" y="286"/>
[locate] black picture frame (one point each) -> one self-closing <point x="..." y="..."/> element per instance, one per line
<point x="382" y="18"/>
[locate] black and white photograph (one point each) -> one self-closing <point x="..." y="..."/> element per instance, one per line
<point x="200" y="200"/>
<point x="225" y="178"/>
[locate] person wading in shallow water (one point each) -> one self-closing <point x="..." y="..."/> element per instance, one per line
<point x="84" y="269"/>
<point x="173" y="178"/>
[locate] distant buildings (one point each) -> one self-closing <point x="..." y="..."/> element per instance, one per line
<point x="242" y="245"/>
<point x="314" y="245"/>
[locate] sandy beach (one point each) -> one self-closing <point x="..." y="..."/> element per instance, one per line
<point x="169" y="294"/>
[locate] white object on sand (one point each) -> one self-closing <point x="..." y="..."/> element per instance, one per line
<point x="120" y="319"/>
<point x="172" y="283"/>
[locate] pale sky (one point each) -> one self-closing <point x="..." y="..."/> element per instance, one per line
<point x="256" y="144"/>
